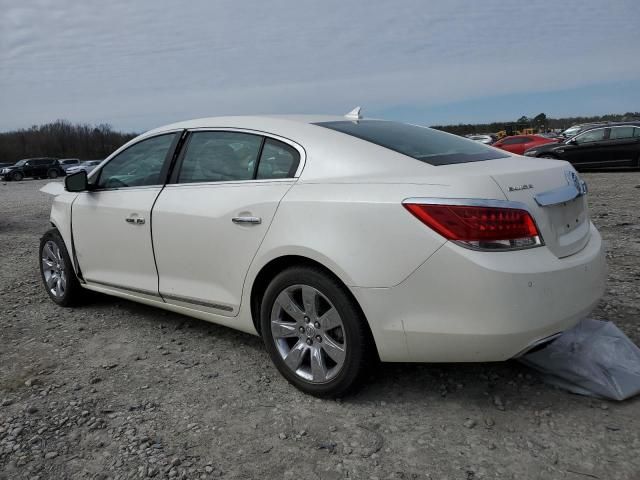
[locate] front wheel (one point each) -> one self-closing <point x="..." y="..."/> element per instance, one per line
<point x="56" y="270"/>
<point x="17" y="176"/>
<point x="52" y="173"/>
<point x="314" y="332"/>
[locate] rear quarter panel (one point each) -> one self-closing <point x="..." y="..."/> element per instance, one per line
<point x="361" y="232"/>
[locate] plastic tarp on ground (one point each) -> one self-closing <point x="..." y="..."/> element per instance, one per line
<point x="593" y="358"/>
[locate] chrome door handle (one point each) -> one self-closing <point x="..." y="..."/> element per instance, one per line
<point x="135" y="220"/>
<point x="249" y="220"/>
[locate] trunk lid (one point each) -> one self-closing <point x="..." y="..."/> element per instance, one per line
<point x="545" y="187"/>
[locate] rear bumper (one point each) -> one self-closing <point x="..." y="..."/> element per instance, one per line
<point x="467" y="306"/>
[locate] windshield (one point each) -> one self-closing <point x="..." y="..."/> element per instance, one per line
<point x="20" y="163"/>
<point x="425" y="144"/>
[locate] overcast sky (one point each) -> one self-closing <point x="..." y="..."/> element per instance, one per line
<point x="141" y="64"/>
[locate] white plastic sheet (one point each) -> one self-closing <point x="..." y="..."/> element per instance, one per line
<point x="593" y="358"/>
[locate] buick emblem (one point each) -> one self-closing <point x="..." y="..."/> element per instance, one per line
<point x="576" y="181"/>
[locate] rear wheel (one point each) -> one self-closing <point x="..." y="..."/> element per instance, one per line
<point x="314" y="332"/>
<point x="52" y="173"/>
<point x="57" y="272"/>
<point x="17" y="176"/>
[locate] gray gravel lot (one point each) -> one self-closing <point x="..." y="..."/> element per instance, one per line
<point x="120" y="390"/>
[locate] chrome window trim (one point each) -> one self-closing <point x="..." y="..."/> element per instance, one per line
<point x="301" y="151"/>
<point x="481" y="202"/>
<point x="231" y="182"/>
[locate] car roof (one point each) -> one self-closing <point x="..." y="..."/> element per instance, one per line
<point x="246" y="121"/>
<point x="611" y="124"/>
<point x="344" y="157"/>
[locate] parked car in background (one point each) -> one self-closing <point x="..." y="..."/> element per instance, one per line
<point x="486" y="139"/>
<point x="281" y="227"/>
<point x="614" y="145"/>
<point x="87" y="166"/>
<point x="519" y="143"/>
<point x="66" y="163"/>
<point x="34" y="168"/>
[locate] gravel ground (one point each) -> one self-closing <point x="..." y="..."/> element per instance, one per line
<point x="117" y="390"/>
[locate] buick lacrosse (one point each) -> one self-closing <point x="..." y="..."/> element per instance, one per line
<point x="340" y="240"/>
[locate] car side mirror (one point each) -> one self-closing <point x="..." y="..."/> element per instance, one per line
<point x="76" y="182"/>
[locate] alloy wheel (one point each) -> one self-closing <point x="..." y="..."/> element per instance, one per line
<point x="308" y="333"/>
<point x="53" y="269"/>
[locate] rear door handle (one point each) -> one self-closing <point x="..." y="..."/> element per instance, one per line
<point x="247" y="220"/>
<point x="135" y="220"/>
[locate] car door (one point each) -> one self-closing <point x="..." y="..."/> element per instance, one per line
<point x="28" y="168"/>
<point x="208" y="223"/>
<point x="588" y="149"/>
<point x="624" y="146"/>
<point x="112" y="221"/>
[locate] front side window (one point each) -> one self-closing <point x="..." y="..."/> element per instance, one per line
<point x="424" y="144"/>
<point x="621" y="132"/>
<point x="139" y="165"/>
<point x="278" y="160"/>
<point x="591" y="136"/>
<point x="219" y="157"/>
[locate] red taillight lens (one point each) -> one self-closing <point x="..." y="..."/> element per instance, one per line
<point x="483" y="227"/>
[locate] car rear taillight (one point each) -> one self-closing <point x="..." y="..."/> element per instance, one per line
<point x="479" y="227"/>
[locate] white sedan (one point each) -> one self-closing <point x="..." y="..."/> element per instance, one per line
<point x="340" y="240"/>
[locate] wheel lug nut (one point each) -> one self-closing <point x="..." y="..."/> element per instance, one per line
<point x="309" y="341"/>
<point x="317" y="324"/>
<point x="301" y="329"/>
<point x="318" y="338"/>
<point x="306" y="319"/>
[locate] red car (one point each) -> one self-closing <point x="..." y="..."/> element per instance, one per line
<point x="519" y="143"/>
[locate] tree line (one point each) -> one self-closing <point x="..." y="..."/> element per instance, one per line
<point x="540" y="122"/>
<point x="61" y="139"/>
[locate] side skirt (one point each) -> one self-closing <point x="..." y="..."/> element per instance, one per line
<point x="237" y="323"/>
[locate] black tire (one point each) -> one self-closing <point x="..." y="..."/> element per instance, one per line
<point x="358" y="344"/>
<point x="17" y="176"/>
<point x="73" y="292"/>
<point x="53" y="173"/>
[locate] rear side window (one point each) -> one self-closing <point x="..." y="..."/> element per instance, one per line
<point x="425" y="144"/>
<point x="278" y="160"/>
<point x="621" y="132"/>
<point x="219" y="157"/>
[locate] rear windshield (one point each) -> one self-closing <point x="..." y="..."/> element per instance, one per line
<point x="424" y="144"/>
